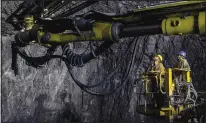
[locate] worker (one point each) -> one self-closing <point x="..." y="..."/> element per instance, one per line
<point x="181" y="64"/>
<point x="158" y="68"/>
<point x="184" y="65"/>
<point x="157" y="65"/>
<point x="182" y="61"/>
<point x="156" y="80"/>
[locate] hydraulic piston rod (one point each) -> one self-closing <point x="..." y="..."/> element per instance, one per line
<point x="170" y="26"/>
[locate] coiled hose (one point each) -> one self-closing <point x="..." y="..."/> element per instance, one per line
<point x="83" y="58"/>
<point x="104" y="80"/>
<point x="80" y="59"/>
<point x="117" y="88"/>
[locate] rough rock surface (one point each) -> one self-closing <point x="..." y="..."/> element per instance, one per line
<point x="49" y="94"/>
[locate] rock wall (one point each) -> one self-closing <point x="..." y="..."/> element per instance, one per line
<point x="49" y="94"/>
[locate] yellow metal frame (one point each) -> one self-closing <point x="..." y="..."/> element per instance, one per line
<point x="167" y="111"/>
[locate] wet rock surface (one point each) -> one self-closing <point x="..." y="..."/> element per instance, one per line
<point x="49" y="94"/>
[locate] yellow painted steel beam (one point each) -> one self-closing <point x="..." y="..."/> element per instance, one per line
<point x="168" y="82"/>
<point x="188" y="77"/>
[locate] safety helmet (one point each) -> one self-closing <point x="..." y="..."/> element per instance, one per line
<point x="182" y="53"/>
<point x="160" y="57"/>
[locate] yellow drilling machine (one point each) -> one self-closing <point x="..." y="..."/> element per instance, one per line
<point x="170" y="93"/>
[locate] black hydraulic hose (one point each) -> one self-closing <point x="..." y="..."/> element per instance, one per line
<point x="80" y="59"/>
<point x="104" y="80"/>
<point x="56" y="7"/>
<point x="41" y="59"/>
<point x="51" y="5"/>
<point x="73" y="59"/>
<point x="76" y="9"/>
<point x="125" y="80"/>
<point x="44" y="59"/>
<point x="14" y="59"/>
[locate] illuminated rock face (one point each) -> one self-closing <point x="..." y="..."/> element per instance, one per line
<point x="49" y="94"/>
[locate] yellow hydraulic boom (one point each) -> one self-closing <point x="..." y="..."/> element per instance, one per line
<point x="180" y="18"/>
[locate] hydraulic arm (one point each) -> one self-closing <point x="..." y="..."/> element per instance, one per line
<point x="107" y="31"/>
<point x="179" y="18"/>
<point x="194" y="24"/>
